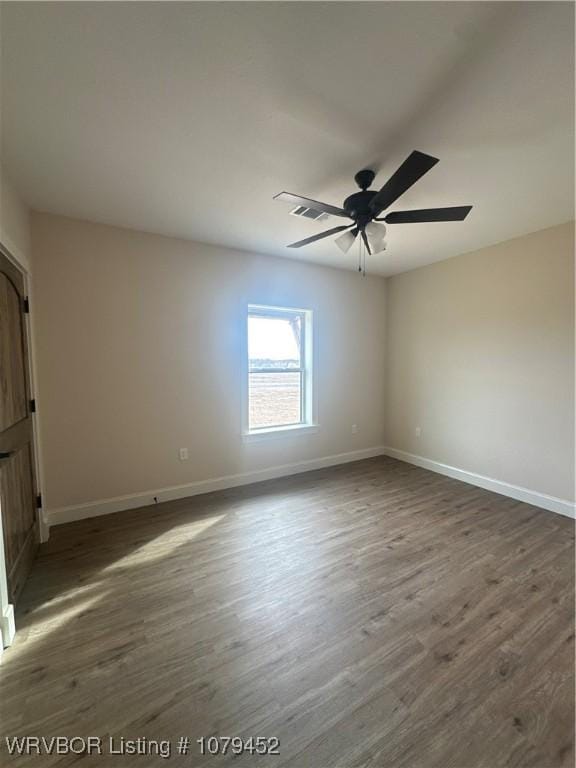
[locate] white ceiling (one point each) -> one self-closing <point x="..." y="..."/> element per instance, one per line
<point x="186" y="118"/>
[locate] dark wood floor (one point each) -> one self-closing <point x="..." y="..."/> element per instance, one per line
<point x="374" y="614"/>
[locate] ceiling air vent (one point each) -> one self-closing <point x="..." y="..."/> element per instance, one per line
<point x="309" y="213"/>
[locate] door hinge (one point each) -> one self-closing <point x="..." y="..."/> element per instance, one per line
<point x="39" y="501"/>
<point x="26" y="305"/>
<point x="32" y="406"/>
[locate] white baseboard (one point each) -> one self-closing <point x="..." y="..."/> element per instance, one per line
<point x="7" y="627"/>
<point x="68" y="514"/>
<point x="43" y="527"/>
<point x="61" y="515"/>
<point x="551" y="503"/>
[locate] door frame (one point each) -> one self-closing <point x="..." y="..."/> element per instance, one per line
<point x="7" y="618"/>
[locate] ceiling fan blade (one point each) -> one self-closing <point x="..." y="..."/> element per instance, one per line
<point x="412" y="169"/>
<point x="457" y="213"/>
<point x="316" y="205"/>
<point x="320" y="236"/>
<point x="366" y="243"/>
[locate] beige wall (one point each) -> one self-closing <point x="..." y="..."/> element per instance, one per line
<point x="14" y="222"/>
<point x="139" y="354"/>
<point x="480" y="356"/>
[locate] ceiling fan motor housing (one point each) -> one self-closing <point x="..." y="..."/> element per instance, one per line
<point x="357" y="206"/>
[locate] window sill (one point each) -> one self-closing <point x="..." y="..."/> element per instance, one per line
<point x="290" y="431"/>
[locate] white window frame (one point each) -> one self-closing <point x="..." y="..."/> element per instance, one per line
<point x="308" y="423"/>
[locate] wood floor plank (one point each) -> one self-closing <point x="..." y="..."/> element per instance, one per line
<point x="374" y="614"/>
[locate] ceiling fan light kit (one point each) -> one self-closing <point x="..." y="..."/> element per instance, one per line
<point x="376" y="234"/>
<point x="345" y="241"/>
<point x="364" y="208"/>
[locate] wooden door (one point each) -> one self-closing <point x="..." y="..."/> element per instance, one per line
<point x="17" y="480"/>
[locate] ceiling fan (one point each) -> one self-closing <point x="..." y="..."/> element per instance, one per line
<point x="364" y="207"/>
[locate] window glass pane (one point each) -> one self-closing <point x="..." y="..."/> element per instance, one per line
<point x="274" y="399"/>
<point x="274" y="342"/>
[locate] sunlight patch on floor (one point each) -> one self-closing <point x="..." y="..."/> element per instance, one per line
<point x="162" y="546"/>
<point x="26" y="639"/>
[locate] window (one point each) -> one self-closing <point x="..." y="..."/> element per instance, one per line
<point x="279" y="369"/>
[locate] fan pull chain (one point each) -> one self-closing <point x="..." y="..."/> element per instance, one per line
<point x="362" y="250"/>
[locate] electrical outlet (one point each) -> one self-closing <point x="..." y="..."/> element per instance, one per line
<point x="418" y="432"/>
<point x="183" y="454"/>
<point x="354" y="428"/>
